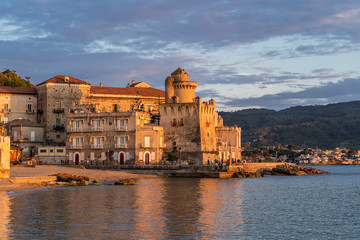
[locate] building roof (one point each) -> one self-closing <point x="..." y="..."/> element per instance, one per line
<point x="24" y="123"/>
<point x="146" y="92"/>
<point x="17" y="90"/>
<point x="140" y="84"/>
<point x="61" y="79"/>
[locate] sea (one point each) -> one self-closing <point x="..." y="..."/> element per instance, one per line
<point x="273" y="207"/>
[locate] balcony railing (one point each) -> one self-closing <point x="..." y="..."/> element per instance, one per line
<point x="97" y="146"/>
<point x="120" y="145"/>
<point x="5" y="110"/>
<point x="143" y="145"/>
<point x="97" y="129"/>
<point x="76" y="146"/>
<point x="59" y="128"/>
<point x="30" y="111"/>
<point x="58" y="110"/>
<point x="76" y="129"/>
<point x="121" y="128"/>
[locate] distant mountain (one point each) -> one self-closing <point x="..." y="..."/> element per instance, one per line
<point x="328" y="126"/>
<point x="10" y="78"/>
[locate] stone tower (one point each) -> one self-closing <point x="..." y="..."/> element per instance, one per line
<point x="178" y="88"/>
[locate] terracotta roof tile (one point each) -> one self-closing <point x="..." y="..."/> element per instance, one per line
<point x="146" y="92"/>
<point x="61" y="79"/>
<point x="17" y="90"/>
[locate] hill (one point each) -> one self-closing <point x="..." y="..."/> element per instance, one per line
<point x="328" y="126"/>
<point x="10" y="78"/>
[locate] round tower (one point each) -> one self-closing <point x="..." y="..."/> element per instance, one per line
<point x="184" y="90"/>
<point x="169" y="89"/>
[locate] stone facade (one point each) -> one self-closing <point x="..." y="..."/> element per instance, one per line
<point x="56" y="97"/>
<point x="122" y="138"/>
<point x="4" y="157"/>
<point x="59" y="96"/>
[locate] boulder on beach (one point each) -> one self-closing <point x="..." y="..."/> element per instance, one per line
<point x="125" y="182"/>
<point x="66" y="177"/>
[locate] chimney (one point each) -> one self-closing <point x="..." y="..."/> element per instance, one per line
<point x="66" y="78"/>
<point x="101" y="84"/>
<point x="133" y="82"/>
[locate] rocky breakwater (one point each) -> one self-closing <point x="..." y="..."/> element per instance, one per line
<point x="287" y="169"/>
<point x="290" y="169"/>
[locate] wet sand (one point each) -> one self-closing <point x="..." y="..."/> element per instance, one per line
<point x="23" y="178"/>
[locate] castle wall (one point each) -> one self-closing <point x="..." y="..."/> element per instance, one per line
<point x="182" y="129"/>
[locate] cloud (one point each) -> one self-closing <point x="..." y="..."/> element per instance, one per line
<point x="345" y="90"/>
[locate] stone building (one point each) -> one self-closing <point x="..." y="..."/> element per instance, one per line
<point x="59" y="95"/>
<point x="124" y="138"/>
<point x="26" y="135"/>
<point x="192" y="127"/>
<point x="18" y="103"/>
<point x="56" y="97"/>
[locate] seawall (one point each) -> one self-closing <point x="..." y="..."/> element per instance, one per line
<point x="190" y="171"/>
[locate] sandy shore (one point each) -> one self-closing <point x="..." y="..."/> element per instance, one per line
<point x="23" y="178"/>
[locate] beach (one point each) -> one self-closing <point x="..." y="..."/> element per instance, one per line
<point x="23" y="178"/>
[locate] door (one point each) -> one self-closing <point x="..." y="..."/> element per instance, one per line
<point x="121" y="158"/>
<point x="77" y="159"/>
<point x="147" y="158"/>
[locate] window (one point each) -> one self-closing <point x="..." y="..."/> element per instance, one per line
<point x="43" y="150"/>
<point x="58" y="105"/>
<point x="6" y="119"/>
<point x="6" y="107"/>
<point x="58" y="122"/>
<point x="59" y="150"/>
<point x="122" y="141"/>
<point x="115" y="107"/>
<point x="174" y="123"/>
<point x="147" y="141"/>
<point x="121" y="124"/>
<point x="29" y="108"/>
<point x="32" y="136"/>
<point x="181" y="123"/>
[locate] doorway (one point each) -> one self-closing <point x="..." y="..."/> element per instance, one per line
<point x="77" y="159"/>
<point x="122" y="158"/>
<point x="147" y="158"/>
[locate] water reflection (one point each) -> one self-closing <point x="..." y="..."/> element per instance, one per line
<point x="154" y="208"/>
<point x="4" y="215"/>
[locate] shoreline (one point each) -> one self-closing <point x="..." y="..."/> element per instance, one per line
<point x="26" y="178"/>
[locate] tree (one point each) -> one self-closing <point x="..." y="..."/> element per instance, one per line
<point x="10" y="78"/>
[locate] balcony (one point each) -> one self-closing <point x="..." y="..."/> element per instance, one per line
<point x="5" y="110"/>
<point x="76" y="146"/>
<point x="120" y="145"/>
<point x="97" y="146"/>
<point x="143" y="145"/>
<point x="121" y="128"/>
<point x="31" y="111"/>
<point x="59" y="128"/>
<point x="58" y="110"/>
<point x="76" y="129"/>
<point x="97" y="129"/>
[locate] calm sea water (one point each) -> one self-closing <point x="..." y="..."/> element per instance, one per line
<point x="276" y="207"/>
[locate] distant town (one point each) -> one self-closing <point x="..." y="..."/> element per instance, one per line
<point x="301" y="156"/>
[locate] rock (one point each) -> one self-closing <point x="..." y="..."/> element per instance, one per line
<point x="125" y="182"/>
<point x="66" y="177"/>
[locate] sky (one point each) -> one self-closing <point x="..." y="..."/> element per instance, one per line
<point x="242" y="53"/>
